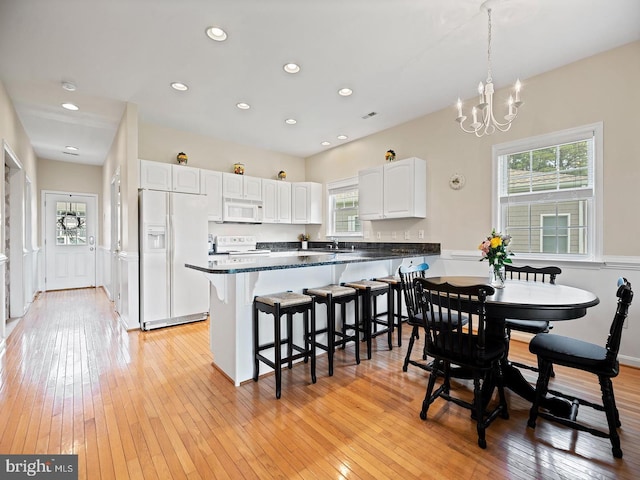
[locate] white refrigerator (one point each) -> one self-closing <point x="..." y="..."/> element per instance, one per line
<point x="173" y="230"/>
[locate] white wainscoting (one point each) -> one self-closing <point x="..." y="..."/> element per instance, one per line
<point x="128" y="302"/>
<point x="30" y="278"/>
<point x="103" y="271"/>
<point x="597" y="277"/>
<point x="3" y="316"/>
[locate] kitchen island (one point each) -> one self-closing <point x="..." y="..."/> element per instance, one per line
<point x="236" y="280"/>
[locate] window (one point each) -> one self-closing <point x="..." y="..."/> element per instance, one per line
<point x="343" y="218"/>
<point x="71" y="223"/>
<point x="547" y="195"/>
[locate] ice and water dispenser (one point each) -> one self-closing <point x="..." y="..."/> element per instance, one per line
<point x="156" y="237"/>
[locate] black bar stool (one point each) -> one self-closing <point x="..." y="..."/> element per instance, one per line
<point x="278" y="304"/>
<point x="396" y="303"/>
<point x="369" y="290"/>
<point x="331" y="296"/>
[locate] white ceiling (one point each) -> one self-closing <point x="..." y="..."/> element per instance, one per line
<point x="402" y="58"/>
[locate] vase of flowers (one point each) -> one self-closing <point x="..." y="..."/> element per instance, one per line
<point x="494" y="249"/>
<point x="304" y="240"/>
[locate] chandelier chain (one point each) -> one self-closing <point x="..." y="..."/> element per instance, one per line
<point x="489" y="79"/>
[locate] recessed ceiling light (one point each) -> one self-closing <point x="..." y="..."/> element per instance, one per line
<point x="291" y="67"/>
<point x="290" y="121"/>
<point x="216" y="33"/>
<point x="73" y="149"/>
<point x="325" y="143"/>
<point x="70" y="106"/>
<point x="69" y="86"/>
<point x="342" y="137"/>
<point x="181" y="87"/>
<point x="243" y="106"/>
<point x="345" y="92"/>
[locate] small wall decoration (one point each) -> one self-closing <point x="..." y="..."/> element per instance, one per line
<point x="238" y="168"/>
<point x="182" y="158"/>
<point x="457" y="181"/>
<point x="390" y="156"/>
<point x="282" y="175"/>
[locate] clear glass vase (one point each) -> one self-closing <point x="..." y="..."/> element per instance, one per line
<point x="497" y="276"/>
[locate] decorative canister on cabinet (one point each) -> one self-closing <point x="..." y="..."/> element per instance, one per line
<point x="182" y="158"/>
<point x="390" y="156"/>
<point x="282" y="175"/>
<point x="238" y="168"/>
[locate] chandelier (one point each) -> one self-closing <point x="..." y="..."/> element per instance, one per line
<point x="484" y="121"/>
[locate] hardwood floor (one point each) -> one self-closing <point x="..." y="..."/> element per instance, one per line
<point x="146" y="405"/>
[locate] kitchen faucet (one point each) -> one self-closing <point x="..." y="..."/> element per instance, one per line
<point x="334" y="244"/>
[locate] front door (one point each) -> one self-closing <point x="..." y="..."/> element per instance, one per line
<point x="70" y="241"/>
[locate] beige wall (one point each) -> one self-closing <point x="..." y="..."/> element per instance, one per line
<point x="600" y="88"/>
<point x="162" y="144"/>
<point x="12" y="132"/>
<point x="70" y="177"/>
<point x="122" y="160"/>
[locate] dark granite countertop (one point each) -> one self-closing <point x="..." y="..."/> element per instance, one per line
<point x="282" y="258"/>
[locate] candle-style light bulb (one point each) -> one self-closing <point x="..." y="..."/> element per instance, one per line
<point x="510" y="104"/>
<point x="518" y="87"/>
<point x="474" y="112"/>
<point x="459" y="105"/>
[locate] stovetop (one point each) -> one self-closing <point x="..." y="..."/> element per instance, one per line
<point x="238" y="245"/>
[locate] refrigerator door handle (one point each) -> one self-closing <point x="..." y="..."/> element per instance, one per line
<point x="170" y="262"/>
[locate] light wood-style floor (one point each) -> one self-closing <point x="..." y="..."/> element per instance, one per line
<point x="150" y="405"/>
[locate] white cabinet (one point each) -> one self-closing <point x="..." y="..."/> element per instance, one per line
<point x="306" y="202"/>
<point x="155" y="175"/>
<point x="276" y="201"/>
<point x="241" y="187"/>
<point x="168" y="177"/>
<point x="211" y="186"/>
<point x="185" y="179"/>
<point x="370" y="185"/>
<point x="393" y="190"/>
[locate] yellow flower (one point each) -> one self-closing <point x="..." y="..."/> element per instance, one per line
<point x="496" y="242"/>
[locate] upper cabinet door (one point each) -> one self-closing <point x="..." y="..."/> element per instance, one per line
<point x="269" y="201"/>
<point x="398" y="195"/>
<point x="252" y="188"/>
<point x="370" y="191"/>
<point x="306" y="203"/>
<point x="211" y="186"/>
<point x="185" y="179"/>
<point x="155" y="175"/>
<point x="283" y="199"/>
<point x="232" y="185"/>
<point x="405" y="191"/>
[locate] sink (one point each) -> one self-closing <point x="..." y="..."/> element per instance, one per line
<point x="298" y="253"/>
<point x="331" y="250"/>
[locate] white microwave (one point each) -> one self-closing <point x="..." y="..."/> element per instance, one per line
<point x="241" y="211"/>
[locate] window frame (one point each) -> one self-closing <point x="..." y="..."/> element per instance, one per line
<point x="335" y="187"/>
<point x="595" y="225"/>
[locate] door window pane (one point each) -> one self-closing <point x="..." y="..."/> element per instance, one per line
<point x="71" y="223"/>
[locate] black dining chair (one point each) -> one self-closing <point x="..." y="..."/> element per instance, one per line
<point x="453" y="345"/>
<point x="414" y="316"/>
<point x="530" y="274"/>
<point x="580" y="355"/>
